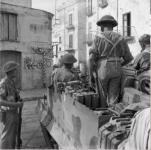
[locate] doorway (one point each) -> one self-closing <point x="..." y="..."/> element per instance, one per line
<point x="15" y="56"/>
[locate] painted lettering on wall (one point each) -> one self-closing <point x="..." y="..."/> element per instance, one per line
<point x="38" y="28"/>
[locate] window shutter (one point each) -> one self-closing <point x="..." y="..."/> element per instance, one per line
<point x="5" y="26"/>
<point x="70" y="19"/>
<point x="127" y="24"/>
<point x="70" y="41"/>
<point x="12" y="27"/>
<point x="89" y="7"/>
<point x="8" y="26"/>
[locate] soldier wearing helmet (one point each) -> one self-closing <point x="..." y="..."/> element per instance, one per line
<point x="142" y="60"/>
<point x="8" y="107"/>
<point x="65" y="73"/>
<point x="109" y="48"/>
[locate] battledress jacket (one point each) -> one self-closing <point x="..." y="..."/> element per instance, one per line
<point x="142" y="60"/>
<point x="102" y="46"/>
<point x="9" y="116"/>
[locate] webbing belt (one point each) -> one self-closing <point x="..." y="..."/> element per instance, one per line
<point x="109" y="41"/>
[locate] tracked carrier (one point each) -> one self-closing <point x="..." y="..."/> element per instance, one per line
<point x="71" y="116"/>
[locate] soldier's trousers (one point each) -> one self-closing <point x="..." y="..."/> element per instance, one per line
<point x="8" y="131"/>
<point x="109" y="74"/>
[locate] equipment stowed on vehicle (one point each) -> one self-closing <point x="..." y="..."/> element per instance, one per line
<point x="74" y="118"/>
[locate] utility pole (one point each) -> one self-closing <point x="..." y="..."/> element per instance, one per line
<point x="64" y="30"/>
<point x="117" y="13"/>
<point x="97" y="17"/>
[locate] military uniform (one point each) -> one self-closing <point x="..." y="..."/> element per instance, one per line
<point x="139" y="138"/>
<point x="142" y="60"/>
<point x="65" y="74"/>
<point x="9" y="115"/>
<point x="109" y="48"/>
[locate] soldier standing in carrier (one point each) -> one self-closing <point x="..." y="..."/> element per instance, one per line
<point x="66" y="73"/>
<point x="109" y="48"/>
<point x="142" y="61"/>
<point x="9" y="107"/>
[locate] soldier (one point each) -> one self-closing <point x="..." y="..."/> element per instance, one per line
<point x="139" y="137"/>
<point x="9" y="107"/>
<point x="109" y="48"/>
<point x="142" y="60"/>
<point x="65" y="73"/>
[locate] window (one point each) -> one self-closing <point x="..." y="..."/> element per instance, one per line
<point x="89" y="31"/>
<point x="9" y="27"/>
<point x="70" y="19"/>
<point x="60" y="49"/>
<point x="71" y="41"/>
<point x="127" y="24"/>
<point x="89" y="7"/>
<point x="56" y="50"/>
<point x="60" y="39"/>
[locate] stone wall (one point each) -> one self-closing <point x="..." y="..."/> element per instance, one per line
<point x="34" y="33"/>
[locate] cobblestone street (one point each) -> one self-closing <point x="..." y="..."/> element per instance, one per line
<point x="31" y="132"/>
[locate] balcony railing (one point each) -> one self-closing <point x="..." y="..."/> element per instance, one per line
<point x="70" y="27"/>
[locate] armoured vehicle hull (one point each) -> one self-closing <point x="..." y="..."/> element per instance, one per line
<point x="74" y="118"/>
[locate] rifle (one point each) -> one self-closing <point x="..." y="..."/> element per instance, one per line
<point x="19" y="140"/>
<point x="101" y="102"/>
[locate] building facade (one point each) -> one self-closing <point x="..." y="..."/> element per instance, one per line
<point x="69" y="30"/>
<point x="24" y="3"/>
<point x="26" y="37"/>
<point x="133" y="19"/>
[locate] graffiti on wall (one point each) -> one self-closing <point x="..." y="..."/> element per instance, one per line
<point x="30" y="64"/>
<point x="45" y="55"/>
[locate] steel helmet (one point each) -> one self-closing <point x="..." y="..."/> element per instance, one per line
<point x="68" y="59"/>
<point x="9" y="66"/>
<point x="107" y="19"/>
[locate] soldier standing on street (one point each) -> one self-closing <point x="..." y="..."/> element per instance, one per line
<point x="109" y="48"/>
<point x="142" y="60"/>
<point x="9" y="107"/>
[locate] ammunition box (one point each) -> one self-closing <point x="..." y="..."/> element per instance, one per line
<point x="104" y="132"/>
<point x="95" y="101"/>
<point x="104" y="118"/>
<point x="80" y="98"/>
<point x="87" y="97"/>
<point x="117" y="138"/>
